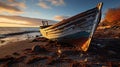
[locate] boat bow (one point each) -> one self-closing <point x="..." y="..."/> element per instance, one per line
<point x="77" y="30"/>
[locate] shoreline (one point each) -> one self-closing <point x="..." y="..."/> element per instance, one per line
<point x="15" y="34"/>
<point x="18" y="37"/>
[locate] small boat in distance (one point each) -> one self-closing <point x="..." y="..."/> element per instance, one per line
<point x="77" y="30"/>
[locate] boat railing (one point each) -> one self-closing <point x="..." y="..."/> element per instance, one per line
<point x="44" y="24"/>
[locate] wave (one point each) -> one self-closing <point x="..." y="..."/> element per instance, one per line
<point x="10" y="31"/>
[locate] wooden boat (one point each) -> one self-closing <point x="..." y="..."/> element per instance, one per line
<point x="77" y="30"/>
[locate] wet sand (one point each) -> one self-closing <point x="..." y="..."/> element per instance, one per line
<point x="51" y="54"/>
<point x="17" y="47"/>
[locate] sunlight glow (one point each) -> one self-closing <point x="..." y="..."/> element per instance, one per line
<point x="86" y="45"/>
<point x="4" y="22"/>
<point x="13" y="21"/>
<point x="13" y="25"/>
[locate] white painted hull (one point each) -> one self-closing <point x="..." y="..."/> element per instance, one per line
<point x="77" y="27"/>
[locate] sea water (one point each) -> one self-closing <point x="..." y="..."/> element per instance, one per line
<point x="13" y="38"/>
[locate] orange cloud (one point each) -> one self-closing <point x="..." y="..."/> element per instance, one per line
<point x="15" y="21"/>
<point x="16" y="3"/>
<point x="11" y="7"/>
<point x="19" y="4"/>
<point x="5" y="24"/>
<point x="43" y="5"/>
<point x="7" y="8"/>
<point x="59" y="18"/>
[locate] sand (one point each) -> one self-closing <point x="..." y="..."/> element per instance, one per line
<point x="17" y="47"/>
<point x="51" y="54"/>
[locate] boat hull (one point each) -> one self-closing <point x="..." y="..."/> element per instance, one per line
<point x="79" y="40"/>
<point x="77" y="30"/>
<point x="74" y="36"/>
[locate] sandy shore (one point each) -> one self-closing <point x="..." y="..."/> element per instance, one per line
<point x="18" y="47"/>
<point x="52" y="54"/>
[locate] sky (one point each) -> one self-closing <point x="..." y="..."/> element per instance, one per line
<point x="28" y="13"/>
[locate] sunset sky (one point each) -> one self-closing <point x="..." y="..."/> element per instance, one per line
<point x="27" y="13"/>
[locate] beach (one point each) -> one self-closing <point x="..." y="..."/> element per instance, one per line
<point x="59" y="33"/>
<point x="30" y="49"/>
<point x="16" y="47"/>
<point x="52" y="54"/>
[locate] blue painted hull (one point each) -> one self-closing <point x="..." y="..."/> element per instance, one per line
<point x="77" y="35"/>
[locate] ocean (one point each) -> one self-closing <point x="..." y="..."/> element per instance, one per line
<point x="13" y="34"/>
<point x="7" y="30"/>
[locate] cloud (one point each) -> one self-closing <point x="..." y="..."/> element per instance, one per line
<point x="7" y="8"/>
<point x="19" y="4"/>
<point x="57" y="2"/>
<point x="43" y="5"/>
<point x="11" y="7"/>
<point x="47" y="3"/>
<point x="59" y="18"/>
<point x="16" y="3"/>
<point x="14" y="21"/>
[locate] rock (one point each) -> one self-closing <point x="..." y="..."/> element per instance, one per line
<point x="36" y="48"/>
<point x="2" y="41"/>
<point x="37" y="36"/>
